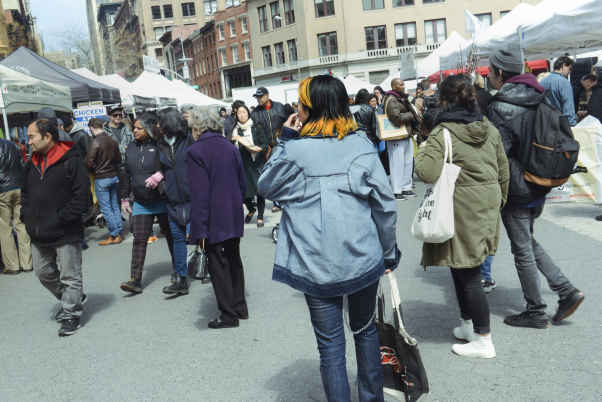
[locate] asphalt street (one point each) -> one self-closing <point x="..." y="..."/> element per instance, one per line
<point x="148" y="348"/>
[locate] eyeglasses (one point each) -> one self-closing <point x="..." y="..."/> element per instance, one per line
<point x="117" y="115"/>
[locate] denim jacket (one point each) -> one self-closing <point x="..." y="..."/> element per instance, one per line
<point x="337" y="233"/>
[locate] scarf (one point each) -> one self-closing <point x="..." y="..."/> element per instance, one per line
<point x="244" y="130"/>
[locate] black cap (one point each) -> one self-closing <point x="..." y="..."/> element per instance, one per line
<point x="113" y="109"/>
<point x="260" y="92"/>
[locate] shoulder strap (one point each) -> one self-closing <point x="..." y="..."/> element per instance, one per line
<point x="448" y="146"/>
<point x="387" y="103"/>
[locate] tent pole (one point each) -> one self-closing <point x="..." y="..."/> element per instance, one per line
<point x="522" y="50"/>
<point x="4" y="116"/>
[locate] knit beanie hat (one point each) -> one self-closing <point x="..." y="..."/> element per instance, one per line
<point x="507" y="60"/>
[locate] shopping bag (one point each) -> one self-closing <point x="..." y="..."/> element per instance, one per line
<point x="386" y="131"/>
<point x="434" y="220"/>
<point x="404" y="374"/>
<point x="197" y="265"/>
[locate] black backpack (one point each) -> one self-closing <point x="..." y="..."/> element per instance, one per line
<point x="551" y="153"/>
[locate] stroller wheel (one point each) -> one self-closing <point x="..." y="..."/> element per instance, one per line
<point x="275" y="234"/>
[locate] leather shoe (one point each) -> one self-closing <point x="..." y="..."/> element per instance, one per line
<point x="218" y="324"/>
<point x="117" y="240"/>
<point x="107" y="241"/>
<point x="11" y="271"/>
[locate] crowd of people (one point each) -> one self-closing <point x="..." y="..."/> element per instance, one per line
<point x="320" y="160"/>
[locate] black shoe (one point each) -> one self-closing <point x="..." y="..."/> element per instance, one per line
<point x="568" y="305"/>
<point x="400" y="197"/>
<point x="528" y="319"/>
<point x="408" y="194"/>
<point x="68" y="327"/>
<point x="180" y="287"/>
<point x="599" y="218"/>
<point x="58" y="317"/>
<point x="260" y="222"/>
<point x="218" y="323"/>
<point x="249" y="216"/>
<point x="11" y="271"/>
<point x="173" y="278"/>
<point x="244" y="316"/>
<point x="132" y="286"/>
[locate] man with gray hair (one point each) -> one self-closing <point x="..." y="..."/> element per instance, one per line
<point x="518" y="95"/>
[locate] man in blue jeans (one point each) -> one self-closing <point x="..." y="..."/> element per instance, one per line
<point x="487" y="282"/>
<point x="103" y="160"/>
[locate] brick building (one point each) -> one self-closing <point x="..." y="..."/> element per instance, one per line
<point x="127" y="42"/>
<point x="233" y="45"/>
<point x="204" y="71"/>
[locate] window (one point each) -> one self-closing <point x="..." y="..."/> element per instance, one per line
<point x="167" y="11"/>
<point x="503" y="13"/>
<point x="327" y="44"/>
<point x="373" y="4"/>
<point x="159" y="52"/>
<point x="376" y="37"/>
<point x="234" y="49"/>
<point x="247" y="50"/>
<point x="267" y="56"/>
<point x="230" y="3"/>
<point x="405" y="34"/>
<point x="210" y="6"/>
<point x="232" y="28"/>
<point x="485" y="19"/>
<point x="279" y="51"/>
<point x="401" y="3"/>
<point x="292" y="51"/>
<point x="435" y="31"/>
<point x="324" y="8"/>
<point x="222" y="56"/>
<point x="433" y="1"/>
<point x="220" y="31"/>
<point x="243" y="25"/>
<point x="188" y="10"/>
<point x="263" y="19"/>
<point x="156" y="12"/>
<point x="289" y="12"/>
<point x="159" y="31"/>
<point x="276" y="18"/>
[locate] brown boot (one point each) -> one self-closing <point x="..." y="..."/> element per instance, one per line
<point x="107" y="241"/>
<point x="117" y="240"/>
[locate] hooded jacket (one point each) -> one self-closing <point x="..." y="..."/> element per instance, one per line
<point x="141" y="162"/>
<point x="11" y="166"/>
<point x="55" y="196"/>
<point x="272" y="119"/>
<point x="514" y="105"/>
<point x="481" y="188"/>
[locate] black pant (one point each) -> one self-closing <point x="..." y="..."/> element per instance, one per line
<point x="250" y="204"/>
<point x="471" y="298"/>
<point x="142" y="227"/>
<point x="227" y="276"/>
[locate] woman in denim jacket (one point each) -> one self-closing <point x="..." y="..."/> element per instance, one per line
<point x="337" y="233"/>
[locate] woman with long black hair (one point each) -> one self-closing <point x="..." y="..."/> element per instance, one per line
<point x="139" y="179"/>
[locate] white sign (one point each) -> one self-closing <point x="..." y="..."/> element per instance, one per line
<point x="84" y="114"/>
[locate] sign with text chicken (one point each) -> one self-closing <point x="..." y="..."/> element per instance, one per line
<point x="84" y="114"/>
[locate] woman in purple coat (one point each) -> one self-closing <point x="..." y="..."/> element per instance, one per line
<point x="217" y="188"/>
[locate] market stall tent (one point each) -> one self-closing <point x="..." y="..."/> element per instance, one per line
<point x="433" y="62"/>
<point x="82" y="89"/>
<point x="354" y="84"/>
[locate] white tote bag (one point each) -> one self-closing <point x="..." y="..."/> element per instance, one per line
<point x="434" y="220"/>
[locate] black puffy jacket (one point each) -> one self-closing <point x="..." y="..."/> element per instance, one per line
<point x="141" y="162"/>
<point x="272" y="119"/>
<point x="366" y="120"/>
<point x="11" y="166"/>
<point x="514" y="106"/>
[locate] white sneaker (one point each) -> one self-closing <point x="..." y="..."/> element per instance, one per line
<point x="464" y="332"/>
<point x="481" y="347"/>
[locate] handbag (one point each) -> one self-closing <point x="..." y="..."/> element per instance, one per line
<point x="434" y="220"/>
<point x="404" y="374"/>
<point x="386" y="130"/>
<point x="197" y="265"/>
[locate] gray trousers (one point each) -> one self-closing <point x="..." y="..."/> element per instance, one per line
<point x="59" y="269"/>
<point x="530" y="258"/>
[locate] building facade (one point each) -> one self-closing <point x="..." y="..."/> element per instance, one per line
<point x="233" y="42"/>
<point x="65" y="59"/>
<point x="204" y="67"/>
<point x="127" y="43"/>
<point x="106" y="19"/>
<point x="293" y="39"/>
<point x="17" y="27"/>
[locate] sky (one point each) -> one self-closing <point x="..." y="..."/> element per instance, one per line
<point x="57" y="16"/>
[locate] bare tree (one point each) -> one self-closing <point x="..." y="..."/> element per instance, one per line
<point x="75" y="41"/>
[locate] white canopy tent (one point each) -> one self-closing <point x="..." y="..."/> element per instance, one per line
<point x="354" y="84"/>
<point x="20" y="93"/>
<point x="409" y="84"/>
<point x="437" y="60"/>
<point x="283" y="93"/>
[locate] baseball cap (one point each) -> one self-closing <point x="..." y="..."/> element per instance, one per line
<point x="114" y="109"/>
<point x="260" y="92"/>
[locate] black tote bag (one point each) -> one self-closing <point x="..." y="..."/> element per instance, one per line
<point x="404" y="373"/>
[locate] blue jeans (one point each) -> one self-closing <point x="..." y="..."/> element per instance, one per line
<point x="106" y="192"/>
<point x="486" y="268"/>
<point x="179" y="248"/>
<point x="327" y="320"/>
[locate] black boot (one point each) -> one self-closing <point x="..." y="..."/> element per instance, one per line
<point x="180" y="287"/>
<point x="132" y="286"/>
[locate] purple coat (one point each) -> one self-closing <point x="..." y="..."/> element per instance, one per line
<point x="217" y="186"/>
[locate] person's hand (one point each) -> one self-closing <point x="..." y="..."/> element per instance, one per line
<point x="293" y="122"/>
<point x="582" y="113"/>
<point x="387" y="271"/>
<point x="154" y="180"/>
<point x="235" y="137"/>
<point x="125" y="207"/>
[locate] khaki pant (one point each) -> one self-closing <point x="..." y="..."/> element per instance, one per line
<point x="10" y="210"/>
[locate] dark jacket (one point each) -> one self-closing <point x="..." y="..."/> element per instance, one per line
<point x="176" y="188"/>
<point x="103" y="158"/>
<point x="595" y="103"/>
<point x="82" y="141"/>
<point x="272" y="119"/>
<point x="366" y="119"/>
<point x="483" y="99"/>
<point x="122" y="135"/>
<point x="511" y="106"/>
<point x="252" y="168"/>
<point x="11" y="166"/>
<point x="229" y="124"/>
<point x="217" y="188"/>
<point x="141" y="162"/>
<point x="399" y="112"/>
<point x="55" y="196"/>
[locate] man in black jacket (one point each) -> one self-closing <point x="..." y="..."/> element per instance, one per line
<point x="11" y="179"/>
<point x="55" y="195"/>
<point x="269" y="113"/>
<point x="519" y="94"/>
